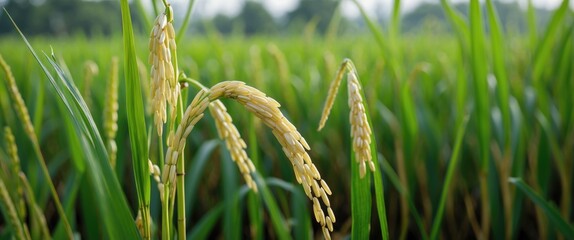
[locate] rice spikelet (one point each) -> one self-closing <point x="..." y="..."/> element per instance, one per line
<point x="176" y="140"/>
<point x="111" y="112"/>
<point x="164" y="87"/>
<point x="235" y="144"/>
<point x="360" y="129"/>
<point x="154" y="171"/>
<point x="294" y="145"/>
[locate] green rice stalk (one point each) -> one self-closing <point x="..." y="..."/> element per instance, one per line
<point x="558" y="221"/>
<point x="183" y="29"/>
<point x="10" y="213"/>
<point x="448" y="179"/>
<point x="478" y="63"/>
<point x="36" y="211"/>
<point x="503" y="91"/>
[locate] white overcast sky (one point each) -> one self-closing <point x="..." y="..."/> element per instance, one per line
<point x="208" y="8"/>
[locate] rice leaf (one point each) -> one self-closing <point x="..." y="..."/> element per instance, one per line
<point x="195" y="171"/>
<point x="254" y="204"/>
<point x="566" y="228"/>
<point x="277" y="219"/>
<point x="232" y="221"/>
<point x="136" y="117"/>
<point x="454" y="158"/>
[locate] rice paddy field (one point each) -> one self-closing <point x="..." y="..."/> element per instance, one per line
<point x="465" y="135"/>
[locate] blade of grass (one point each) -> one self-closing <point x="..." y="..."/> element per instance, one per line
<point x="204" y="227"/>
<point x="195" y="171"/>
<point x="183" y="29"/>
<point x="499" y="65"/>
<point x="302" y="222"/>
<point x="277" y="219"/>
<point x="454" y="158"/>
<point x="543" y="52"/>
<point x="553" y="215"/>
<point x="394" y="179"/>
<point x="360" y="202"/>
<point x="254" y="204"/>
<point x="136" y="119"/>
<point x="479" y="74"/>
<point x="232" y="221"/>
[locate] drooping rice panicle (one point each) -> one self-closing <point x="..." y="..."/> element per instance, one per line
<point x="235" y="144"/>
<point x="294" y="145"/>
<point x="111" y="113"/>
<point x="176" y="140"/>
<point x="164" y="87"/>
<point x="333" y="89"/>
<point x="360" y="129"/>
<point x="12" y="150"/>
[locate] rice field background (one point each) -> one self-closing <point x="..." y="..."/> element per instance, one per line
<point x="472" y="133"/>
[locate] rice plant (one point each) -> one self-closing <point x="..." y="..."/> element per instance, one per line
<point x="461" y="135"/>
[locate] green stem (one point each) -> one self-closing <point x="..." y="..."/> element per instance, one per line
<point x="181" y="31"/>
<point x="52" y="189"/>
<point x="165" y="214"/>
<point x="448" y="179"/>
<point x="180" y="185"/>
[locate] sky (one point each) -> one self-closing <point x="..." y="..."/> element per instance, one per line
<point x="207" y="8"/>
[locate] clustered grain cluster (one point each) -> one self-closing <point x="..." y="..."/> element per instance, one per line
<point x="235" y="144"/>
<point x="360" y="129"/>
<point x="164" y="86"/>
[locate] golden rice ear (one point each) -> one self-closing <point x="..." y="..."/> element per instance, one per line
<point x="333" y="89"/>
<point x="294" y="145"/>
<point x="164" y="88"/>
<point x="235" y="144"/>
<point x="360" y="129"/>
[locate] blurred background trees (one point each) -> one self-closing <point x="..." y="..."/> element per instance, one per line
<point x="101" y="17"/>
